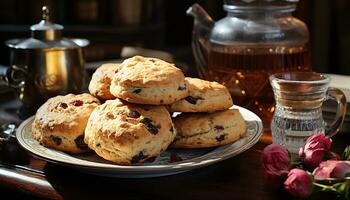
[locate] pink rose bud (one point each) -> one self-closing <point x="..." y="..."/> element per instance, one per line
<point x="276" y="165"/>
<point x="315" y="149"/>
<point x="298" y="183"/>
<point x="332" y="169"/>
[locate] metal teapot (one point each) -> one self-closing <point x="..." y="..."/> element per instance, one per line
<point x="44" y="65"/>
<point x="257" y="38"/>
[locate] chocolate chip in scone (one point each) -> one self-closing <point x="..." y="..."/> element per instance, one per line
<point x="150" y="127"/>
<point x="134" y="114"/>
<point x="79" y="141"/>
<point x="181" y="87"/>
<point x="63" y="105"/>
<point x="219" y="128"/>
<point x="171" y="129"/>
<point x="192" y="100"/>
<point x="137" y="90"/>
<point x="98" y="145"/>
<point x="57" y="140"/>
<point x="138" y="157"/>
<point x="77" y="103"/>
<point x="220" y="138"/>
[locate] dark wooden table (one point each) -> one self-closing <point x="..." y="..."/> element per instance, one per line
<point x="23" y="176"/>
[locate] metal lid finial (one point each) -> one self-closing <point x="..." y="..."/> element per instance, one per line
<point x="46" y="13"/>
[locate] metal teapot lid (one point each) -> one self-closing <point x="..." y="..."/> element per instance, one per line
<point x="46" y="35"/>
<point x="45" y="29"/>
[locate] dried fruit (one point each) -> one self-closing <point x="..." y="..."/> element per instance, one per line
<point x="192" y="100"/>
<point x="77" y="103"/>
<point x="219" y="128"/>
<point x="63" y="105"/>
<point x="134" y="114"/>
<point x="220" y="138"/>
<point x="150" y="127"/>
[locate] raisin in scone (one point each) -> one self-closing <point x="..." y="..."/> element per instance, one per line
<point x="101" y="80"/>
<point x="60" y="122"/>
<point x="204" y="96"/>
<point x="149" y="81"/>
<point x="127" y="133"/>
<point x="199" y="130"/>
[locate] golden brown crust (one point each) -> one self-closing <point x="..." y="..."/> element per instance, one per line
<point x="62" y="119"/>
<point x="127" y="133"/>
<point x="204" y="96"/>
<point x="147" y="72"/>
<point x="101" y="80"/>
<point x="199" y="130"/>
<point x="149" y="81"/>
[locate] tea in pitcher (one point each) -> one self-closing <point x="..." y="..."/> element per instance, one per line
<point x="245" y="71"/>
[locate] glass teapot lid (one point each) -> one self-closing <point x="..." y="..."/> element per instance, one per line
<point x="258" y="4"/>
<point x="252" y="21"/>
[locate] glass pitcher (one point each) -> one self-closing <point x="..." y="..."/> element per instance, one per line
<point x="257" y="38"/>
<point x="298" y="115"/>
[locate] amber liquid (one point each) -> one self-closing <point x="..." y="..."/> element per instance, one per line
<point x="246" y="74"/>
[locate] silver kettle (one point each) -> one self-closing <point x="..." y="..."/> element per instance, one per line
<point x="44" y="65"/>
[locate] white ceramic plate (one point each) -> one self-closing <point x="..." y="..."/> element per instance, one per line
<point x="161" y="166"/>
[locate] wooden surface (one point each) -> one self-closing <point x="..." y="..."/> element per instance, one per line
<point x="25" y="177"/>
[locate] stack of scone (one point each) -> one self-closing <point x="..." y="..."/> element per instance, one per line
<point x="133" y="123"/>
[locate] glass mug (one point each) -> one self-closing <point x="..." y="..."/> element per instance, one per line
<point x="298" y="113"/>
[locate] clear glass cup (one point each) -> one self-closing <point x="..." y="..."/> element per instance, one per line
<point x="298" y="114"/>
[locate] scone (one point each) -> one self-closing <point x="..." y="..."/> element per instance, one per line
<point x="60" y="122"/>
<point x="204" y="96"/>
<point x="101" y="80"/>
<point x="127" y="133"/>
<point x="149" y="81"/>
<point x="199" y="130"/>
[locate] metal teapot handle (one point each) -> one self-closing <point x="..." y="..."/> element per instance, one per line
<point x="13" y="76"/>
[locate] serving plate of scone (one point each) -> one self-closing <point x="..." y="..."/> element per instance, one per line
<point x="142" y="118"/>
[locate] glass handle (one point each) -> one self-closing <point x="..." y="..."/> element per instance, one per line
<point x="200" y="37"/>
<point x="200" y="55"/>
<point x="338" y="96"/>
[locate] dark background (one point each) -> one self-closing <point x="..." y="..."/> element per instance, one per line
<point x="163" y="25"/>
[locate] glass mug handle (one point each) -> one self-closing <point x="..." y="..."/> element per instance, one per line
<point x="338" y="96"/>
